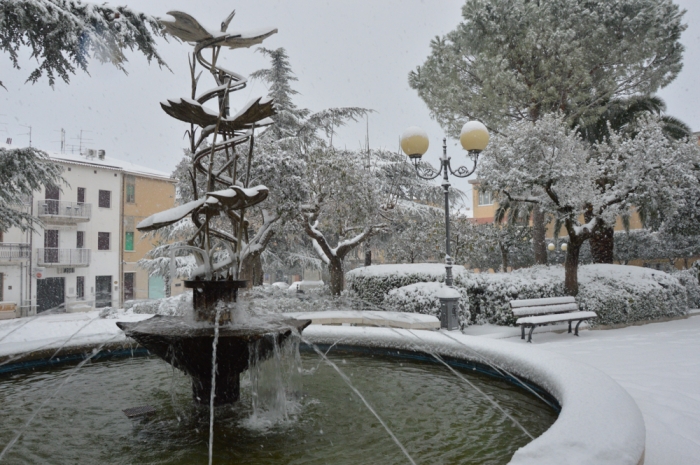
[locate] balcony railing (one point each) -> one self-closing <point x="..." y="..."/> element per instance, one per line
<point x="63" y="257"/>
<point x="14" y="251"/>
<point x="62" y="211"/>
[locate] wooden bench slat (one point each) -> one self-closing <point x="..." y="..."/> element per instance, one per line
<point x="540" y="302"/>
<point x="538" y="320"/>
<point x="526" y="311"/>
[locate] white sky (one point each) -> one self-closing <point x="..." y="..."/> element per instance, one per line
<point x="345" y="53"/>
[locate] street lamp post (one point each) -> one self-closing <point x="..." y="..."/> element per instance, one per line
<point x="414" y="142"/>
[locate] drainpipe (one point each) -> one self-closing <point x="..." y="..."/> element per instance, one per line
<point x="121" y="241"/>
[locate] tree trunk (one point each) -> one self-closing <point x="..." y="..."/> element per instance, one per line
<point x="504" y="258"/>
<point x="337" y="275"/>
<point x="539" y="247"/>
<point x="252" y="270"/>
<point x="602" y="243"/>
<point x="571" y="265"/>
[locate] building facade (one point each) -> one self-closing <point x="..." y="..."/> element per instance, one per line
<point x="82" y="254"/>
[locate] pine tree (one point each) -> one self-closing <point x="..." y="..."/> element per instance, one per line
<point x="23" y="171"/>
<point x="64" y="35"/>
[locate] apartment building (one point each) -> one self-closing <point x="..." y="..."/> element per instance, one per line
<point x="83" y="253"/>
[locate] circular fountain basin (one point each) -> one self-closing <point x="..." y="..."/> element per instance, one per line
<point x="436" y="416"/>
<point x="598" y="423"/>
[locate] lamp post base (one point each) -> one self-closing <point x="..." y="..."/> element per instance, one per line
<point x="448" y="313"/>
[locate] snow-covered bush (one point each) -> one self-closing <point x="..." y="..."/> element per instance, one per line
<point x="373" y="283"/>
<point x="490" y="293"/>
<point x="423" y="298"/>
<point x="179" y="305"/>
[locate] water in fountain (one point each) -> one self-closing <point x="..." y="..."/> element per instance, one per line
<point x="327" y="423"/>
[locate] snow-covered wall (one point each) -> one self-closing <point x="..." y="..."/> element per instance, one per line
<point x="599" y="422"/>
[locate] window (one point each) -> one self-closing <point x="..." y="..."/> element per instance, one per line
<point x="105" y="199"/>
<point x="80" y="287"/>
<point x="485" y="198"/>
<point x="80" y="240"/>
<point x="130" y="189"/>
<point x="129" y="242"/>
<point x="2" y="286"/>
<point x="51" y="200"/>
<point x="102" y="241"/>
<point x="81" y="195"/>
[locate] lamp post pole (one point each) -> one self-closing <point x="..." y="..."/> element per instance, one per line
<point x="446" y="188"/>
<point x="414" y="142"/>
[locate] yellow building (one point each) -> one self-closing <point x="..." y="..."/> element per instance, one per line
<point x="144" y="193"/>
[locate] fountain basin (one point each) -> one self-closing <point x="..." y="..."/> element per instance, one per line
<point x="188" y="345"/>
<point x="599" y="422"/>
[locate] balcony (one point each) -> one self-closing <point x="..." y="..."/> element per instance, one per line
<point x="59" y="211"/>
<point x="13" y="252"/>
<point x="59" y="258"/>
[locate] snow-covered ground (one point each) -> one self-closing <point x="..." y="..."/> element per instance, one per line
<point x="657" y="363"/>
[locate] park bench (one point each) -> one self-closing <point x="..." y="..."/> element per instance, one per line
<point x="538" y="312"/>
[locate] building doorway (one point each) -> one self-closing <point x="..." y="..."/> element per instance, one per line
<point x="129" y="279"/>
<point x="50" y="293"/>
<point x="103" y="291"/>
<point x="156" y="287"/>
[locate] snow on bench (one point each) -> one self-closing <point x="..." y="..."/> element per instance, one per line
<point x="538" y="312"/>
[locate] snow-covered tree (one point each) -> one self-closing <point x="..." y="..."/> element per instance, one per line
<point x="513" y="60"/>
<point x="520" y="59"/>
<point x="621" y="116"/>
<point x="344" y="208"/>
<point x="497" y="245"/>
<point x="63" y="35"/>
<point x="416" y="238"/>
<point x="23" y="171"/>
<point x="545" y="163"/>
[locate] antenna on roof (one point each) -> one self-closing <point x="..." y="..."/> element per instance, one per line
<point x="63" y="140"/>
<point x="82" y="139"/>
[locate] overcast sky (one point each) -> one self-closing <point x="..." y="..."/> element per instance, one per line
<point x="344" y="53"/>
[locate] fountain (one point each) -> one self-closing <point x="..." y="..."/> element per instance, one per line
<point x="191" y="344"/>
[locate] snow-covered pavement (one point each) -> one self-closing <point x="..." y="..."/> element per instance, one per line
<point x="657" y="363"/>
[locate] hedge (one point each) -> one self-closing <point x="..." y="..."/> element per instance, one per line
<point x="618" y="294"/>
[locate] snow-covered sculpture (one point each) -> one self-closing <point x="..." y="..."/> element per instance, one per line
<point x="215" y="135"/>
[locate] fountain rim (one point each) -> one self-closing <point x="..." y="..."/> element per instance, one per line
<point x="596" y="412"/>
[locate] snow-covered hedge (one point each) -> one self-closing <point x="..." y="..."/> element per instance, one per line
<point x="618" y="294"/>
<point x="179" y="305"/>
<point x="690" y="280"/>
<point x="373" y="283"/>
<point x="423" y="298"/>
